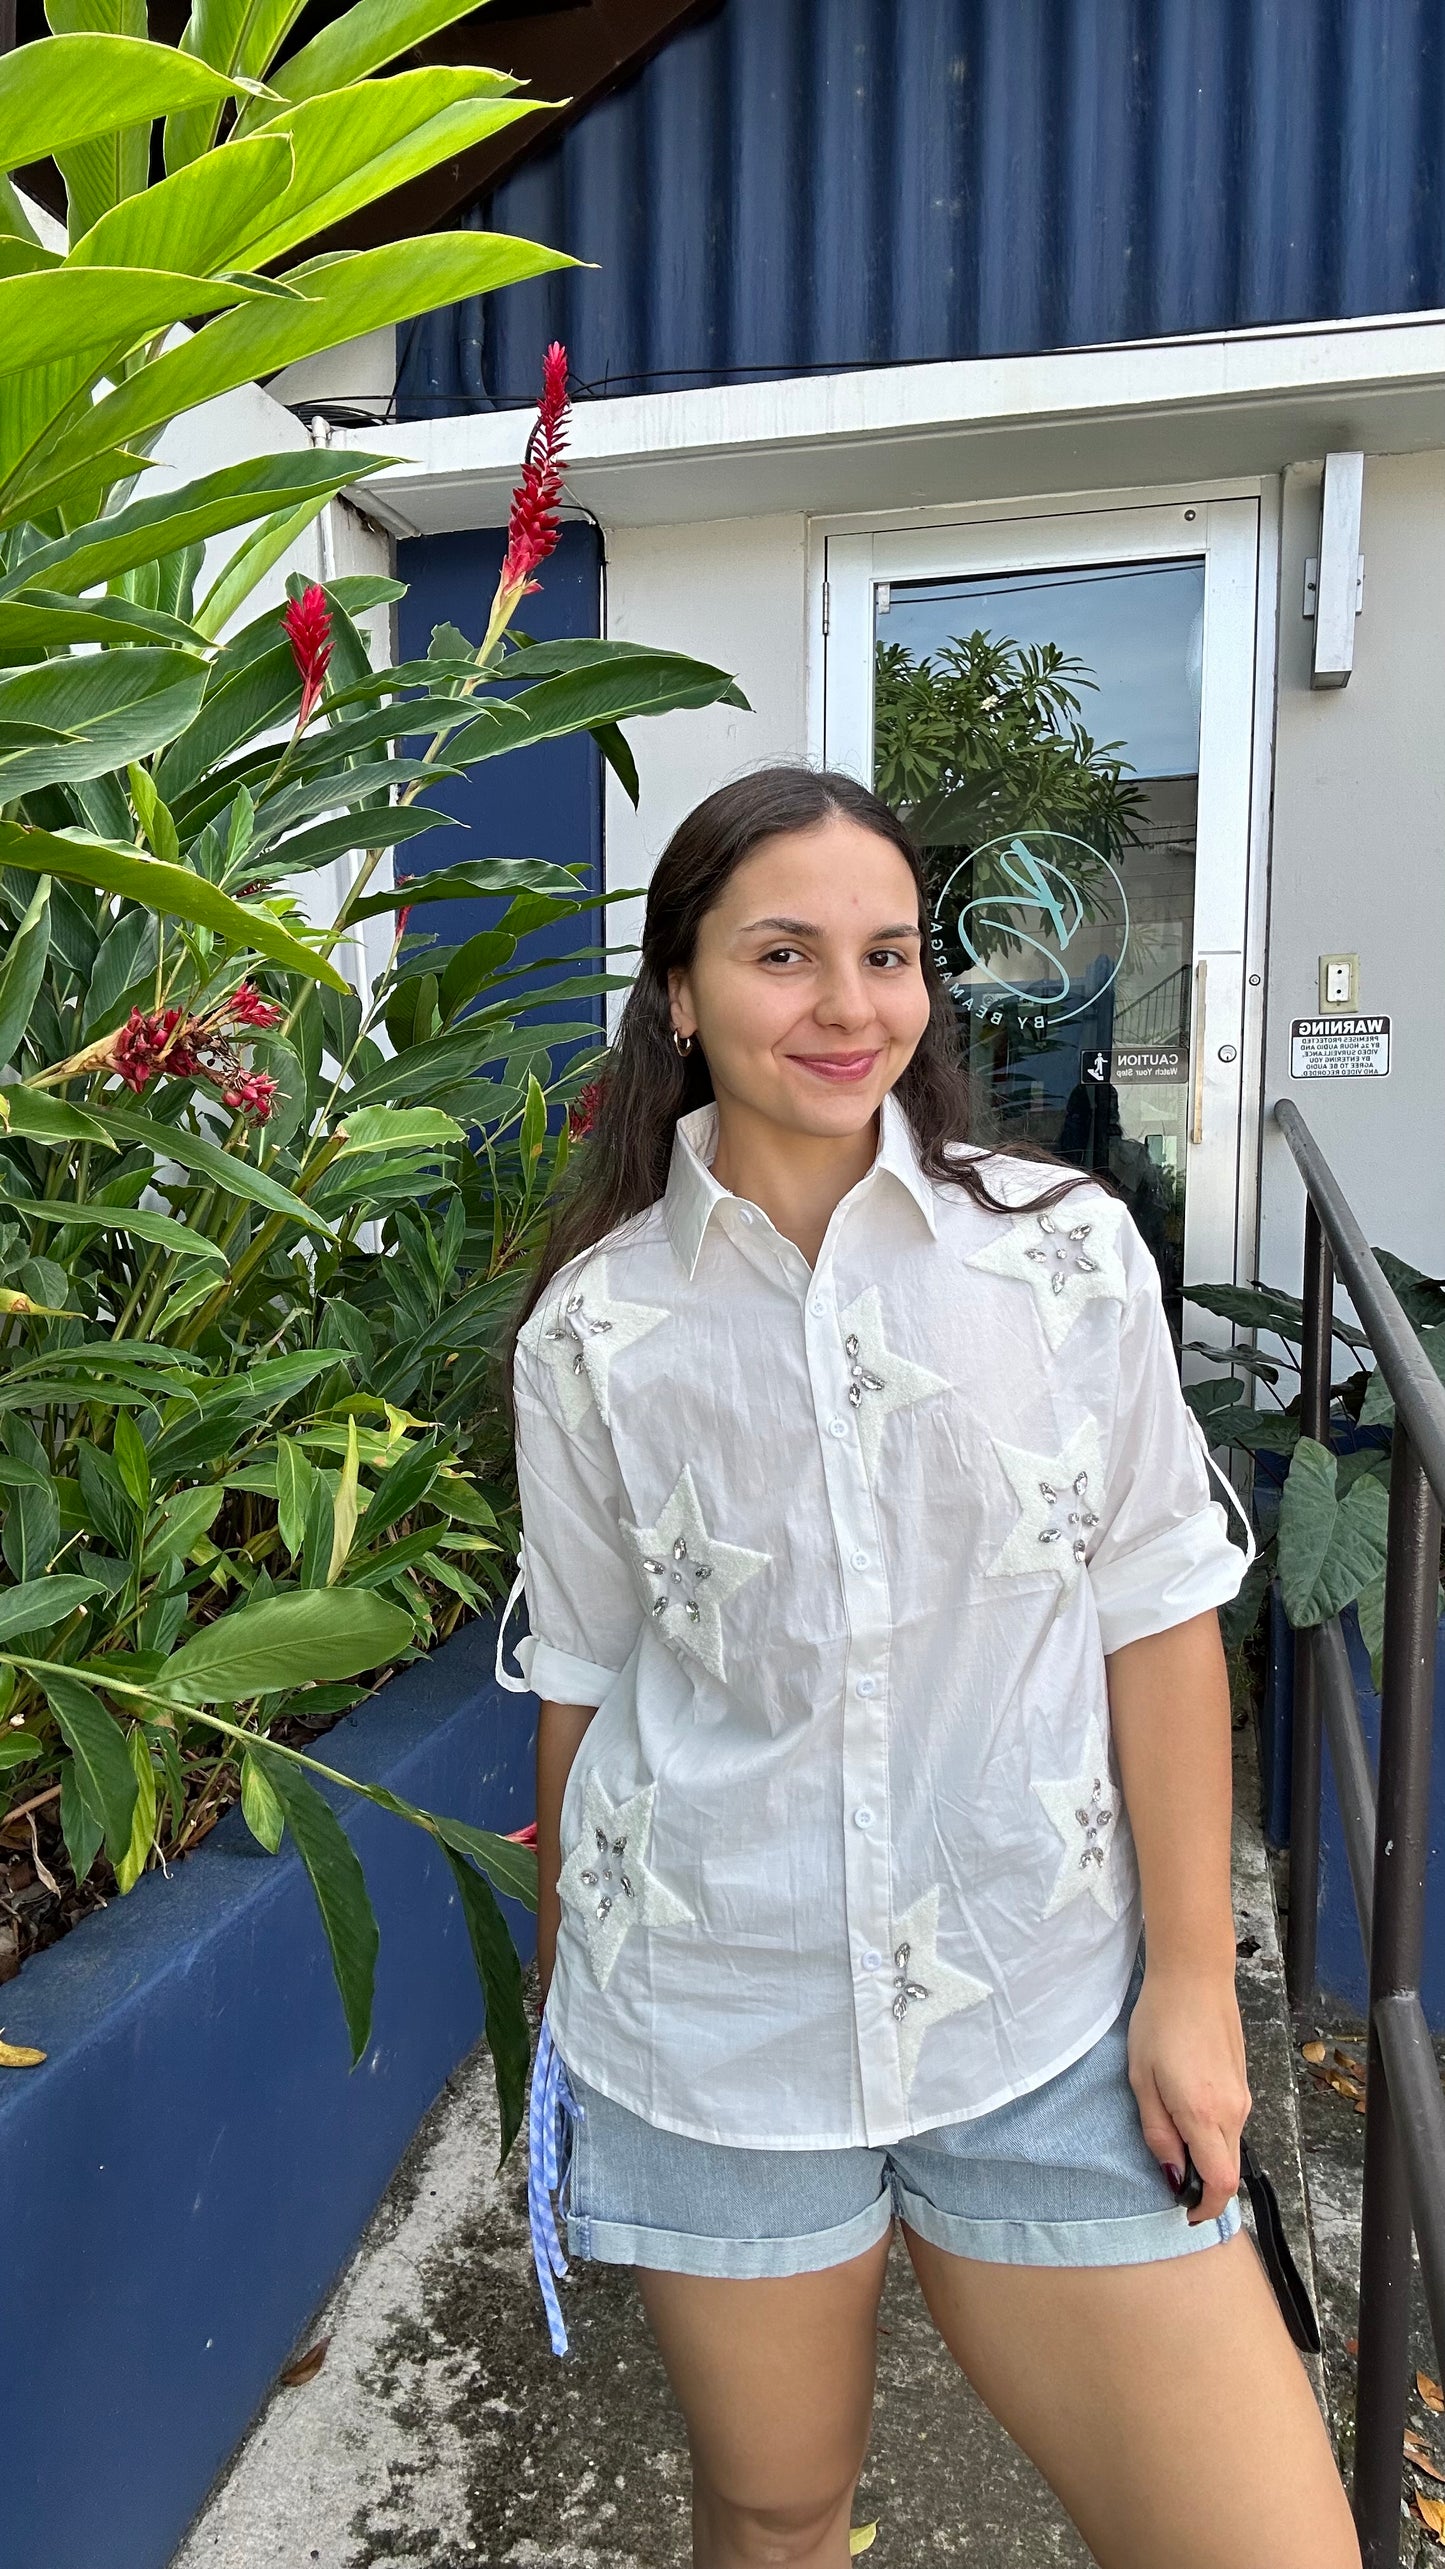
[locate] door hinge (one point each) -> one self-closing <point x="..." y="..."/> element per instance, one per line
<point x="827" y="606"/>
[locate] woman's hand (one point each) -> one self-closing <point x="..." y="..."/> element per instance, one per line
<point x="1186" y="2068"/>
<point x="561" y="1729"/>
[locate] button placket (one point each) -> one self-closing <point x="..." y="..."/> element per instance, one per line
<point x="867" y="1835"/>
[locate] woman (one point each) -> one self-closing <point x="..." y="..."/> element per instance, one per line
<point x="872" y="1572"/>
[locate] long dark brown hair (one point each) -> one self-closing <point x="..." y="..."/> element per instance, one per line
<point x="647" y="1085"/>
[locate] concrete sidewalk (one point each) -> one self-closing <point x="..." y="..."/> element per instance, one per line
<point x="441" y="2430"/>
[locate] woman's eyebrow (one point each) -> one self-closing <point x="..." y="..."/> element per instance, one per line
<point x="809" y="928"/>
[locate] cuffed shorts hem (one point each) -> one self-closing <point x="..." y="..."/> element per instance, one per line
<point x="680" y="2252"/>
<point x="1138" y="2239"/>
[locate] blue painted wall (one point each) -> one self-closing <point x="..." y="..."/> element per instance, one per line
<point x="187" y="2176"/>
<point x="793" y="185"/>
<point x="544" y="802"/>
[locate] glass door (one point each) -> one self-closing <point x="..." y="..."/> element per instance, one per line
<point x="1061" y="708"/>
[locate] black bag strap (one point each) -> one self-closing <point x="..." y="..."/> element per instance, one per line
<point x="1279" y="2264"/>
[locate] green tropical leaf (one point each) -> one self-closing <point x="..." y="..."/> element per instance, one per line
<point x="285" y="1642"/>
<point x="392" y="1128"/>
<point x="206" y="211"/>
<point x="295" y="1483"/>
<point x="1330" y="1549"/>
<point x="100" y="172"/>
<point x="89" y="556"/>
<point x="386" y="827"/>
<point x="338" y="1883"/>
<point x="99" y="711"/>
<point x="478" y="878"/>
<point x="402" y="1487"/>
<point x="22" y="970"/>
<point x="132" y="1462"/>
<point x="260" y="1805"/>
<point x="507" y="1866"/>
<point x="59" y="314"/>
<point x="33" y="1116"/>
<point x="354" y="145"/>
<point x="131" y="1865"/>
<point x="238" y="37"/>
<point x="81" y="1833"/>
<point x="345" y="297"/>
<point x="37" y="1605"/>
<point x="66" y="89"/>
<point x="1261" y="1307"/>
<point x="45" y="620"/>
<point x="225" y="1169"/>
<point x="184" y="1519"/>
<point x="364" y="39"/>
<point x="500" y="1974"/>
<point x="653" y="682"/>
<point x="170" y="889"/>
<point x="103" y="1771"/>
<point x="251" y="561"/>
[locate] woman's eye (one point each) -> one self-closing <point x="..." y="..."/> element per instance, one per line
<point x="782" y="954"/>
<point x="888" y="955"/>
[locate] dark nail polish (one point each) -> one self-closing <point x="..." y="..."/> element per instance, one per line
<point x="1175" y="2176"/>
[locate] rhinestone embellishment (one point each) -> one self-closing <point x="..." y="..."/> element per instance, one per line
<point x="1095" y="1818"/>
<point x="1081" y="1517"/>
<point x="1062" y="1253"/>
<point x="681" y="1575"/>
<point x="905" y="1991"/>
<point x="603" y="1876"/>
<point x="576" y="1322"/>
<point x="859" y="1378"/>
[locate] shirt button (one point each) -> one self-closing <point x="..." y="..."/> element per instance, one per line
<point x="817" y="1306"/>
<point x="743" y="1213"/>
<point x="837" y="1427"/>
<point x="859" y="1560"/>
<point x="863" y="1816"/>
<point x="872" y="1960"/>
<point x="867" y="1686"/>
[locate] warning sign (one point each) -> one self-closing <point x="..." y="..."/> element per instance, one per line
<point x="1142" y="1062"/>
<point x="1339" y="1047"/>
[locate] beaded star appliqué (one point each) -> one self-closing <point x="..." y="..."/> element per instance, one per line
<point x="879" y="1382"/>
<point x="607" y="1881"/>
<point x="580" y="1332"/>
<point x="1068" y="1257"/>
<point x="925" y="1988"/>
<point x="689" y="1574"/>
<point x="1086" y="1809"/>
<point x="1059" y="1498"/>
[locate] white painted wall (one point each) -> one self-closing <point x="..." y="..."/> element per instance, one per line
<point x="732" y="592"/>
<point x="1358" y="865"/>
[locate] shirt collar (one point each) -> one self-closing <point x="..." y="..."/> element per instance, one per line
<point x="693" y="1194"/>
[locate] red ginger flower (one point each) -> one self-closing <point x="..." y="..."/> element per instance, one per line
<point x="586" y="1106"/>
<point x="145" y="1045"/>
<point x="248" y="1008"/>
<point x="532" y="528"/>
<point x="253" y="1093"/>
<point x="307" y="625"/>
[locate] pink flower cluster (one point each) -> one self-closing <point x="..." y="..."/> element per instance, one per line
<point x="585" y="1108"/>
<point x="197" y="1048"/>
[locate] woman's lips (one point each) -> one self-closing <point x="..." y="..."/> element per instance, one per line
<point x="840" y="1068"/>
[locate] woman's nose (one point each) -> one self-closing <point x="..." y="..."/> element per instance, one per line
<point x="844" y="1001"/>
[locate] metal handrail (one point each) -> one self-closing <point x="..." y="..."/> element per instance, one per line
<point x="1386" y="1825"/>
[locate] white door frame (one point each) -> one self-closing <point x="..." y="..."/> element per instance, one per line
<point x="1226" y="1056"/>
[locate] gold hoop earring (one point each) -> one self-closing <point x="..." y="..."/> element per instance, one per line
<point x="682" y="1044"/>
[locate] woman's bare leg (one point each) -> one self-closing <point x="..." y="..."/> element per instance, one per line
<point x="1164" y="2403"/>
<point x="775" y="2383"/>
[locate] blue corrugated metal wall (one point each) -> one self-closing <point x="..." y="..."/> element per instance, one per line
<point x="793" y="185"/>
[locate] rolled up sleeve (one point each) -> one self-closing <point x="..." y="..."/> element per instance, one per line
<point x="1164" y="1551"/>
<point x="582" y="1601"/>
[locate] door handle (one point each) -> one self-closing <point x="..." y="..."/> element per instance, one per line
<point x="1201" y="990"/>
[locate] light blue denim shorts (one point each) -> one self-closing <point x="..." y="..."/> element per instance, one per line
<point x="1060" y="2177"/>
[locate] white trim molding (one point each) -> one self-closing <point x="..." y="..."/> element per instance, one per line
<point x="1075" y="419"/>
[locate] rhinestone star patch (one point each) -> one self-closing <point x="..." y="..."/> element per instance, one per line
<point x="878" y="1381"/>
<point x="607" y="1882"/>
<point x="1059" y="1497"/>
<point x="1068" y="1257"/>
<point x="581" y="1330"/>
<point x="926" y="1989"/>
<point x="1086" y="1810"/>
<point x="689" y="1575"/>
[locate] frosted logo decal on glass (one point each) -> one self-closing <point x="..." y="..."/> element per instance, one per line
<point x="1035" y="925"/>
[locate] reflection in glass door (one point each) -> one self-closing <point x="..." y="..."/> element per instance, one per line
<point x="1040" y="724"/>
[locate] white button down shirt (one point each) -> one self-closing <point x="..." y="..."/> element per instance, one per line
<point x="837" y="1553"/>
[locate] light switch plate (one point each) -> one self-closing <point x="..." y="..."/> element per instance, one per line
<point x="1339" y="984"/>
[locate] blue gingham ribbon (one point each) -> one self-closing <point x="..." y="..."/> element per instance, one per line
<point x="554" y="2109"/>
